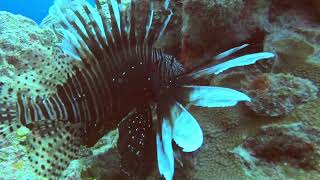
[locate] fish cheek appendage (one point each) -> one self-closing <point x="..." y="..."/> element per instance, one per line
<point x="123" y="76"/>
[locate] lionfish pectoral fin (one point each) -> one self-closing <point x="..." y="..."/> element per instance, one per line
<point x="186" y="131"/>
<point x="210" y="96"/>
<point x="165" y="154"/>
<point x="229" y="52"/>
<point x="244" y="60"/>
<point x="136" y="142"/>
<point x="53" y="145"/>
<point x="177" y="124"/>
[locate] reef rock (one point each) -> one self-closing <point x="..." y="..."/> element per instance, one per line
<point x="205" y="22"/>
<point x="222" y="133"/>
<point x="294" y="36"/>
<point x="99" y="162"/>
<point x="27" y="53"/>
<point x="13" y="161"/>
<point x="27" y="56"/>
<point x="278" y="94"/>
<point x="279" y="151"/>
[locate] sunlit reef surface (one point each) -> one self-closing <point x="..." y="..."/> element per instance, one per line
<point x="277" y="136"/>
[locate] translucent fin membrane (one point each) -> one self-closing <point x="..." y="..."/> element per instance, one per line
<point x="165" y="151"/>
<point x="229" y="52"/>
<point x="237" y="62"/>
<point x="148" y="26"/>
<point x="178" y="125"/>
<point x="202" y="71"/>
<point x="208" y="96"/>
<point x="186" y="130"/>
<point x="116" y="11"/>
<point x="166" y="4"/>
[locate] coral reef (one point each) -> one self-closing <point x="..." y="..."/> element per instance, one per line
<point x="27" y="55"/>
<point x="13" y="159"/>
<point x="222" y="134"/>
<point x="278" y="94"/>
<point x="294" y="36"/>
<point x="276" y="148"/>
<point x="99" y="162"/>
<point x="307" y="113"/>
<point x="200" y="29"/>
<point x="205" y="22"/>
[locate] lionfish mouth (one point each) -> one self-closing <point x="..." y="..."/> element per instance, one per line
<point x="79" y="111"/>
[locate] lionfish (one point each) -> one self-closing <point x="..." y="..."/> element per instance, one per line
<point x="123" y="78"/>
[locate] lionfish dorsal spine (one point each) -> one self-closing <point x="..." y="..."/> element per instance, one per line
<point x="93" y="98"/>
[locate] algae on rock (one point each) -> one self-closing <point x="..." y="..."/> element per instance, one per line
<point x="279" y="151"/>
<point x="278" y="94"/>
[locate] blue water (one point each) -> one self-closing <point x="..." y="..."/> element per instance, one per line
<point x="34" y="9"/>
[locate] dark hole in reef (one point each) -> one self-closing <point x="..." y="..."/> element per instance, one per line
<point x="282" y="148"/>
<point x="256" y="41"/>
<point x="307" y="8"/>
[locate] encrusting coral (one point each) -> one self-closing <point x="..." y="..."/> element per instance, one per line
<point x="278" y="94"/>
<point x="276" y="150"/>
<point x="27" y="57"/>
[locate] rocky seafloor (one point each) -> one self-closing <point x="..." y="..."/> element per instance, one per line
<point x="276" y="136"/>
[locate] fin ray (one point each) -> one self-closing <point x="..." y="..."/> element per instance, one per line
<point x="186" y="131"/>
<point x="209" y="96"/>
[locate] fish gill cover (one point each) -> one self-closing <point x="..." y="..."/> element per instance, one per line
<point x="122" y="77"/>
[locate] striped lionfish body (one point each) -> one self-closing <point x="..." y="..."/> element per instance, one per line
<point x="121" y="78"/>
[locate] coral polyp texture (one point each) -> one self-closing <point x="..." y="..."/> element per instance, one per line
<point x="275" y="136"/>
<point x="278" y="94"/>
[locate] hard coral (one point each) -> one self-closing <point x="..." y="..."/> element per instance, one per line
<point x="294" y="144"/>
<point x="287" y="151"/>
<point x="27" y="56"/>
<point x="278" y="94"/>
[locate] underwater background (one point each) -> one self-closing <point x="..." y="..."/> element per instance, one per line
<point x="35" y="9"/>
<point x="275" y="136"/>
